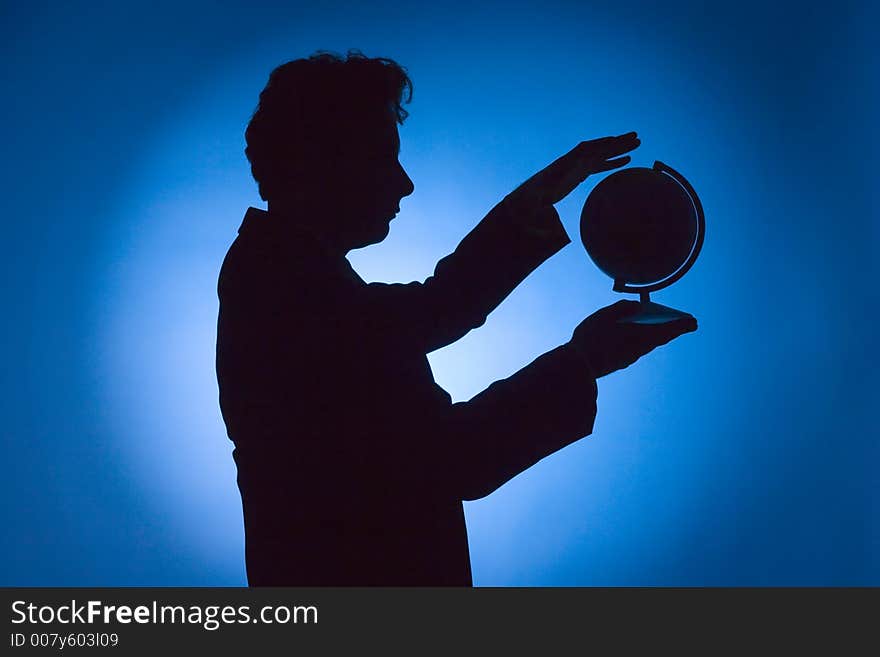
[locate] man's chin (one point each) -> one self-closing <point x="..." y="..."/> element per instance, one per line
<point x="374" y="236"/>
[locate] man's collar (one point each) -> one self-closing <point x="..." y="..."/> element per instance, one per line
<point x="253" y="218"/>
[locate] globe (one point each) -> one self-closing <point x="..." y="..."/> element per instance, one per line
<point x="643" y="227"/>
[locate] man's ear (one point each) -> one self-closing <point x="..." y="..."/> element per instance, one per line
<point x="302" y="180"/>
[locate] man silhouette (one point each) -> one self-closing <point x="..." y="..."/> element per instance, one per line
<point x="352" y="462"/>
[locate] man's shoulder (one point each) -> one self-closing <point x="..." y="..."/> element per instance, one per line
<point x="259" y="279"/>
<point x="252" y="258"/>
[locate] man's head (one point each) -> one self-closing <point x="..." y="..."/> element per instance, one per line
<point x="324" y="138"/>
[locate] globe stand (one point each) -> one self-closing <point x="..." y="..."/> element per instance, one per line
<point x="652" y="313"/>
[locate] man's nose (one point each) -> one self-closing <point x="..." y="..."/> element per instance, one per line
<point x="407" y="186"/>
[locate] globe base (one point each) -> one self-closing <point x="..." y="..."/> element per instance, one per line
<point x="653" y="313"/>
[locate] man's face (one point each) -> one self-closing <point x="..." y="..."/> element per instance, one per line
<point x="369" y="183"/>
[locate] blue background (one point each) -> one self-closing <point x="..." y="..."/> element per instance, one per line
<point x="744" y="454"/>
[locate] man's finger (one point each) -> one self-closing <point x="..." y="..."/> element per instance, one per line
<point x="610" y="143"/>
<point x="660" y="334"/>
<point x="620" y="309"/>
<point x="600" y="149"/>
<point x="612" y="164"/>
<point x="613" y="149"/>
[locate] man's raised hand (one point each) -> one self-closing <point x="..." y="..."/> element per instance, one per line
<point x="555" y="182"/>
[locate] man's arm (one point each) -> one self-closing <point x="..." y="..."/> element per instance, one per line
<point x="514" y="423"/>
<point x="505" y="247"/>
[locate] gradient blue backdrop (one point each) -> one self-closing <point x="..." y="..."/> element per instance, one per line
<point x="743" y="454"/>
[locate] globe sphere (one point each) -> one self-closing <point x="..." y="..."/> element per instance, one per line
<point x="639" y="226"/>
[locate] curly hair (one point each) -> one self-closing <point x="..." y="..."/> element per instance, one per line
<point x="313" y="106"/>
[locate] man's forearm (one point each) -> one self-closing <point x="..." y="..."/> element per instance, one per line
<point x="518" y="421"/>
